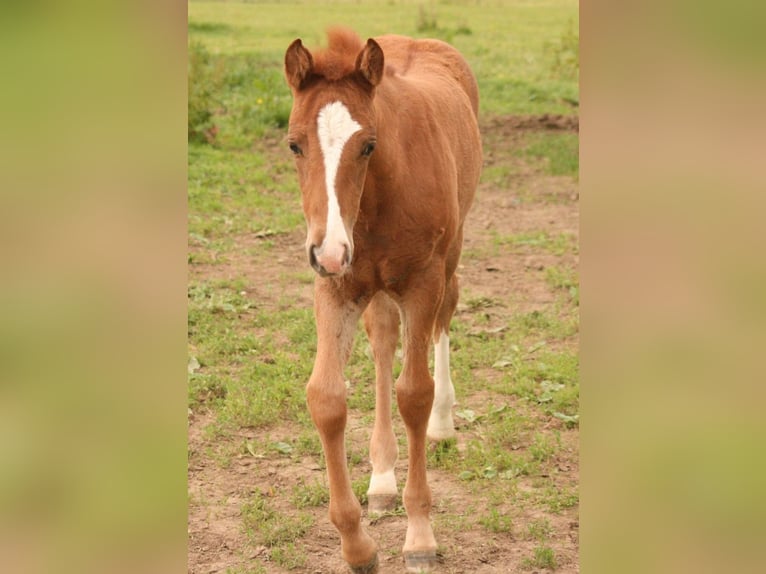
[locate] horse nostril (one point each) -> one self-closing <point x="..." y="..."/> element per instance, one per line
<point x="315" y="263"/>
<point x="346" y="255"/>
<point x="313" y="256"/>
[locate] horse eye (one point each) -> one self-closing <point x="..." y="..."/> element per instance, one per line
<point x="368" y="149"/>
<point x="295" y="148"/>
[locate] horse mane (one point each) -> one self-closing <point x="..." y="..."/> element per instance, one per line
<point x="338" y="59"/>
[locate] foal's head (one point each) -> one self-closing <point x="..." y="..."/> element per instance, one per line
<point x="332" y="135"/>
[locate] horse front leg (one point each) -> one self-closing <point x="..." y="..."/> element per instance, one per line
<point x="326" y="397"/>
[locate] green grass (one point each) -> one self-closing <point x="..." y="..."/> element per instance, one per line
<point x="566" y="280"/>
<point x="255" y="569"/>
<point x="496" y="521"/>
<point x="553" y="243"/>
<point x="240" y="191"/>
<point x="522" y="55"/>
<point x="544" y="557"/>
<point x="539" y="530"/>
<point x="289" y="556"/>
<point x="559" y="152"/>
<point x="314" y="494"/>
<point x="249" y="378"/>
<point x="267" y="526"/>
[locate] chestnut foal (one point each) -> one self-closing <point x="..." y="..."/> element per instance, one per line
<point x="388" y="155"/>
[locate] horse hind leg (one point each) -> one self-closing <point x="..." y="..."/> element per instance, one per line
<point x="381" y="321"/>
<point x="415" y="394"/>
<point x="440" y="423"/>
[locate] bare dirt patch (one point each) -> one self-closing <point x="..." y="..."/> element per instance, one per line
<point x="223" y="475"/>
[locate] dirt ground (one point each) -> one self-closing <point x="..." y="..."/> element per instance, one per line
<point x="217" y="542"/>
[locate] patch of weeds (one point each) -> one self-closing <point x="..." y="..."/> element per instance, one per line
<point x="453" y="519"/>
<point x="360" y="486"/>
<point x="206" y="389"/>
<point x="265" y="378"/>
<point x="559" y="151"/>
<point x="233" y="192"/>
<point x="256" y="569"/>
<point x="250" y="93"/>
<point x="463" y="29"/>
<point x="272" y="528"/>
<point x="519" y="349"/>
<point x="490" y="459"/>
<point x="301" y="330"/>
<point x="208" y="28"/>
<point x="496" y="521"/>
<point x="361" y="372"/>
<point x="281" y="447"/>
<point x="558" y="278"/>
<point x="570" y="421"/>
<point x="556" y="244"/>
<point x="564" y="54"/>
<point x="427" y="24"/>
<point x="560" y="499"/>
<point x="266" y="393"/>
<point x="443" y="454"/>
<point x="546" y="378"/>
<point x="222" y="454"/>
<point x="308" y="443"/>
<point x="497" y="174"/>
<point x="257" y="98"/>
<point x="540" y="530"/>
<point x="510" y="428"/>
<point x="478" y="252"/>
<point x="556" y="389"/>
<point x="355" y="457"/>
<point x="542" y="449"/>
<point x="565" y="280"/>
<point x="426" y="21"/>
<point x="398" y="510"/>
<point x="205" y="79"/>
<point x="544" y="557"/>
<point x="535" y="321"/>
<point x="361" y="395"/>
<point x="481" y="302"/>
<point x="215" y="298"/>
<point x="289" y="556"/>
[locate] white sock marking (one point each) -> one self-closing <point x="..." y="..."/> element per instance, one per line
<point x="440" y="424"/>
<point x="335" y="126"/>
<point x="383" y="483"/>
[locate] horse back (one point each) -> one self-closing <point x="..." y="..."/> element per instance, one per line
<point x="429" y="58"/>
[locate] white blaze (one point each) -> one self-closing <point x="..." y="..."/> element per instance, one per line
<point x="335" y="126"/>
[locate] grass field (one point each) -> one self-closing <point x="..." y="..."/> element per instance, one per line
<point x="506" y="491"/>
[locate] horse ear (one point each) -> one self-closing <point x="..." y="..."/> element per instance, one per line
<point x="298" y="64"/>
<point x="370" y="62"/>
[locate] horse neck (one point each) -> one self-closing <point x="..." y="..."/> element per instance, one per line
<point x="380" y="173"/>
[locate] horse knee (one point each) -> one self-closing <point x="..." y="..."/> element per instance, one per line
<point x="415" y="399"/>
<point x="327" y="406"/>
<point x="345" y="517"/>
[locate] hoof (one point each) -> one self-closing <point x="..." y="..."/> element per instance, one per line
<point x="420" y="561"/>
<point x="369" y="568"/>
<point x="380" y="503"/>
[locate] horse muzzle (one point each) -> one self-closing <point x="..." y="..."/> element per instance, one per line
<point x="332" y="260"/>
